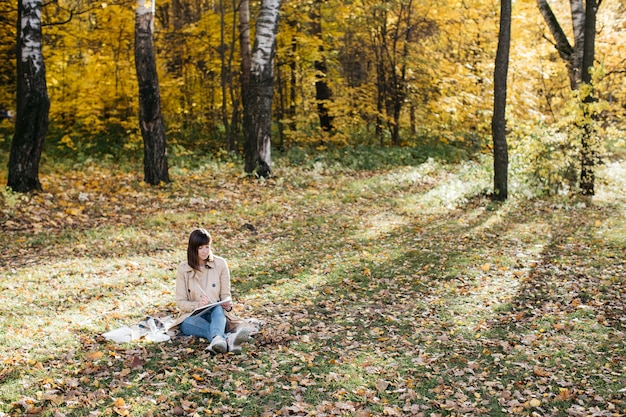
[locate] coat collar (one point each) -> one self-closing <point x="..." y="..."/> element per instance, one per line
<point x="210" y="265"/>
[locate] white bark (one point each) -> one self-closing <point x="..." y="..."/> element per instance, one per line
<point x="578" y="23"/>
<point x="146" y="7"/>
<point x="258" y="133"/>
<point x="265" y="37"/>
<point x="578" y="20"/>
<point x="31" y="46"/>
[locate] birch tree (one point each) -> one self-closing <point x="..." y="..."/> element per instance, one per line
<point x="244" y="47"/>
<point x="258" y="130"/>
<point x="33" y="103"/>
<point x="498" y="122"/>
<point x="579" y="58"/>
<point x="150" y="118"/>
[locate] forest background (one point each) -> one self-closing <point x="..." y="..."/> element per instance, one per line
<point x="386" y="280"/>
<point x="402" y="73"/>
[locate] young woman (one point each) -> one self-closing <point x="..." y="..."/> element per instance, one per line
<point x="202" y="280"/>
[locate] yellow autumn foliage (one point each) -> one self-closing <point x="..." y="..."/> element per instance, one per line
<point x="448" y="84"/>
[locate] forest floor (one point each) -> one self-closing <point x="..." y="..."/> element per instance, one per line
<point x="393" y="292"/>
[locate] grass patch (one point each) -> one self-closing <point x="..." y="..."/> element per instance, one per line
<point x="391" y="288"/>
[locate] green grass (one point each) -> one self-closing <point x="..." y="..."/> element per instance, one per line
<point x="385" y="289"/>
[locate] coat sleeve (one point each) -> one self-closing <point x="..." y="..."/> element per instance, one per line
<point x="225" y="282"/>
<point x="183" y="301"/>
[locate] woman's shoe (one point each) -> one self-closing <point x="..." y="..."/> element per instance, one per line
<point x="218" y="345"/>
<point x="236" y="339"/>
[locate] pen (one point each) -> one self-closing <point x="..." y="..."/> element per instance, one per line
<point x="203" y="293"/>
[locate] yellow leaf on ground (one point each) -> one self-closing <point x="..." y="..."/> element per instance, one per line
<point x="92" y="356"/>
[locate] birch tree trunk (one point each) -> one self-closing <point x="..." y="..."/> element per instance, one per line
<point x="150" y="119"/>
<point x="259" y="131"/>
<point x="33" y="103"/>
<point x="579" y="58"/>
<point x="498" y="122"/>
<point x="571" y="54"/>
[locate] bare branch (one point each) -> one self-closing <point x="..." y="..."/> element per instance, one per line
<point x="615" y="72"/>
<point x="73" y="13"/>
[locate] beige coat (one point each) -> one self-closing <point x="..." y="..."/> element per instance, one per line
<point x="214" y="282"/>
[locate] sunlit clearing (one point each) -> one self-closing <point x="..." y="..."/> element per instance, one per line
<point x="495" y="285"/>
<point x="452" y="190"/>
<point x="613" y="189"/>
<point x="380" y="224"/>
<point x="46" y="310"/>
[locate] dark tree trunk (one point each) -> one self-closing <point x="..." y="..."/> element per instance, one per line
<point x="293" y="82"/>
<point x="588" y="153"/>
<point x="259" y="131"/>
<point x="244" y="48"/>
<point x="246" y="68"/>
<point x="392" y="32"/>
<point x="33" y="103"/>
<point x="322" y="90"/>
<point x="498" y="123"/>
<point x="281" y="112"/>
<point x="235" y="115"/>
<point x="398" y="66"/>
<point x="225" y="79"/>
<point x="379" y="47"/>
<point x="323" y="96"/>
<point x="150" y="119"/>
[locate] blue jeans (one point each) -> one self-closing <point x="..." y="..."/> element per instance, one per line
<point x="208" y="324"/>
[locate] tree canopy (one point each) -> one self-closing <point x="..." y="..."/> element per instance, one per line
<point x="434" y="60"/>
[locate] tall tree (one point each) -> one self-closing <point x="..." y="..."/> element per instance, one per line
<point x="225" y="77"/>
<point x="498" y="122"/>
<point x="322" y="89"/>
<point x="588" y="153"/>
<point x="571" y="54"/>
<point x="579" y="59"/>
<point x="246" y="61"/>
<point x="8" y="35"/>
<point x="33" y="103"/>
<point x="258" y="132"/>
<point x="150" y="119"/>
<point x="393" y="29"/>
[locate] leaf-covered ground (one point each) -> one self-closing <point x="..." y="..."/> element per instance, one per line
<point x="388" y="293"/>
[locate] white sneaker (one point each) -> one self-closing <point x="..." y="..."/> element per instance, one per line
<point x="218" y="345"/>
<point x="236" y="339"/>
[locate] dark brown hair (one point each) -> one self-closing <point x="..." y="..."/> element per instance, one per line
<point x="197" y="238"/>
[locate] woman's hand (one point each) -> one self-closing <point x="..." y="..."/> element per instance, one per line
<point x="204" y="300"/>
<point x="227" y="306"/>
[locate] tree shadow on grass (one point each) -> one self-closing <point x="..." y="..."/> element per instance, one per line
<point x="368" y="303"/>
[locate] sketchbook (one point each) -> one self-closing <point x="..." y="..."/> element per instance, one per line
<point x="203" y="308"/>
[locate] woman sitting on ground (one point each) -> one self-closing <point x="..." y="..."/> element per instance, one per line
<point x="202" y="280"/>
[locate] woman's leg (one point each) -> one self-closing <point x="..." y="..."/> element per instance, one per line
<point x="209" y="324"/>
<point x="196" y="326"/>
<point x="218" y="322"/>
